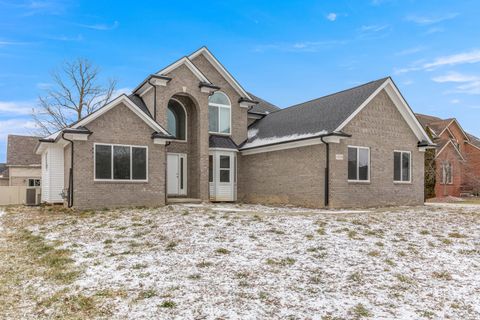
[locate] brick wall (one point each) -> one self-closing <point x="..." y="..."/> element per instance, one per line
<point x="292" y="176"/>
<point x="118" y="126"/>
<point x="381" y="127"/>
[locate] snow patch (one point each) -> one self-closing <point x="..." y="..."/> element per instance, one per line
<point x="275" y="139"/>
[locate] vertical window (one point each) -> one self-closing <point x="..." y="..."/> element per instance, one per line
<point x="447" y="173"/>
<point x="210" y="168"/>
<point x="358" y="164"/>
<point x="176" y="120"/>
<point x="219" y="113"/>
<point x="103" y="162"/>
<point x="401" y="166"/>
<point x="224" y="168"/>
<point x="118" y="162"/>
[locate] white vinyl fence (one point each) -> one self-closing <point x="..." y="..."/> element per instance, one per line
<point x="12" y="195"/>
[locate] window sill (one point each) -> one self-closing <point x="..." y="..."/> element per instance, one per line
<point x="219" y="133"/>
<point x="180" y="141"/>
<point x="402" y="182"/>
<point x="359" y="181"/>
<point x="120" y="182"/>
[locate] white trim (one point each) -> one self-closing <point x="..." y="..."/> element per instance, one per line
<point x="443" y="148"/>
<point x="283" y="146"/>
<point x="131" y="180"/>
<point x="222" y="149"/>
<point x="218" y="105"/>
<point x="184" y="61"/>
<point x="186" y="119"/>
<point x="473" y="145"/>
<point x="358" y="167"/>
<point x="458" y="124"/>
<point x="401" y="105"/>
<point x="76" y="136"/>
<point x="121" y="99"/>
<point x="218" y="66"/>
<point x="401" y="167"/>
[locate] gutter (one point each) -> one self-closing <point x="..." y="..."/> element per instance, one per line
<point x="70" y="174"/>
<point x="327" y="172"/>
<point x="167" y="143"/>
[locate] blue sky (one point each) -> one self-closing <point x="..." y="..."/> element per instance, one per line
<point x="284" y="51"/>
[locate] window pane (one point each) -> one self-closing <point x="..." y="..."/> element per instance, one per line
<point x="103" y="162"/>
<point x="405" y="166"/>
<point x="171" y="122"/>
<point x="224" y="120"/>
<point x="352" y="163"/>
<point x="396" y="166"/>
<point x="225" y="162"/>
<point x="210" y="168"/>
<point x="213" y="119"/>
<point x="225" y="175"/>
<point x="121" y="163"/>
<point x="31" y="182"/>
<point x="363" y="164"/>
<point x="219" y="98"/>
<point x="139" y="163"/>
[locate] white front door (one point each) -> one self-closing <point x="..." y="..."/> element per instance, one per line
<point x="176" y="174"/>
<point x="223" y="176"/>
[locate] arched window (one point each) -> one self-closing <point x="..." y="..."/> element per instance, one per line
<point x="176" y="119"/>
<point x="219" y="113"/>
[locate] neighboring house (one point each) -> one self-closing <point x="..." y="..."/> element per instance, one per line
<point x="23" y="164"/>
<point x="192" y="131"/>
<point x="457" y="160"/>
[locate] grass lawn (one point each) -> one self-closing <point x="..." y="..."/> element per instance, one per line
<point x="240" y="262"/>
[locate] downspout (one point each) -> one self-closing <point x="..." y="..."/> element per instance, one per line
<point x="327" y="172"/>
<point x="70" y="174"/>
<point x="167" y="143"/>
<point x="154" y="99"/>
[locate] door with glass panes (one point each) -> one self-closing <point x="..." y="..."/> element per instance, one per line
<point x="223" y="176"/>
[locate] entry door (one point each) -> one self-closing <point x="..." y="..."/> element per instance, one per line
<point x="176" y="174"/>
<point x="223" y="176"/>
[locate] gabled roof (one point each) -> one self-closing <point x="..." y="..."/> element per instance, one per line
<point x="438" y="125"/>
<point x="140" y="104"/>
<point x="328" y="114"/>
<point x="262" y="107"/>
<point x="188" y="63"/>
<point x="221" y="69"/>
<point x="473" y="140"/>
<point x="21" y="151"/>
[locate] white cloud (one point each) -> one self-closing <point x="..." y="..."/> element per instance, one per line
<point x="16" y="107"/>
<point x="455" y="101"/>
<point x="373" y="28"/>
<point x="301" y="46"/>
<point x="332" y="16"/>
<point x="16" y="126"/>
<point x="409" y="51"/>
<point x="456" y="59"/>
<point x="465" y="83"/>
<point x="428" y="20"/>
<point x="101" y="26"/>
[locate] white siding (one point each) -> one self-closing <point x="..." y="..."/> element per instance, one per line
<point x="52" y="174"/>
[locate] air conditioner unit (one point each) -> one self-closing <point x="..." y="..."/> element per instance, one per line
<point x="33" y="196"/>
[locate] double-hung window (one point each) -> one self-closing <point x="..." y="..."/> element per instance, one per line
<point x="447" y="173"/>
<point x="33" y="182"/>
<point x="358" y="164"/>
<point x="402" y="166"/>
<point x="120" y="162"/>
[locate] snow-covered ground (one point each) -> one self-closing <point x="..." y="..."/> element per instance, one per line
<point x="256" y="262"/>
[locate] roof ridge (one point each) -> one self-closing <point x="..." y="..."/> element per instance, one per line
<point x="331" y="94"/>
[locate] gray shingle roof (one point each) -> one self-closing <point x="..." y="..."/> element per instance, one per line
<point x="324" y="114"/>
<point x="263" y="107"/>
<point x="474" y="140"/>
<point x="139" y="102"/>
<point x="221" y="142"/>
<point x="3" y="168"/>
<point x="21" y="150"/>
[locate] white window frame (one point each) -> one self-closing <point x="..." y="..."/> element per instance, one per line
<point x="401" y="167"/>
<point x="111" y="145"/>
<point x="444" y="180"/>
<point x="186" y="120"/>
<point x="358" y="167"/>
<point x="34" y="186"/>
<point x="225" y="107"/>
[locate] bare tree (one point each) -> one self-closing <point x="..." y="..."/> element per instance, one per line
<point x="76" y="92"/>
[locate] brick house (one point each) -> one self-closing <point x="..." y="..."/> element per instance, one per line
<point x="457" y="159"/>
<point x="191" y="131"/>
<point x="23" y="164"/>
